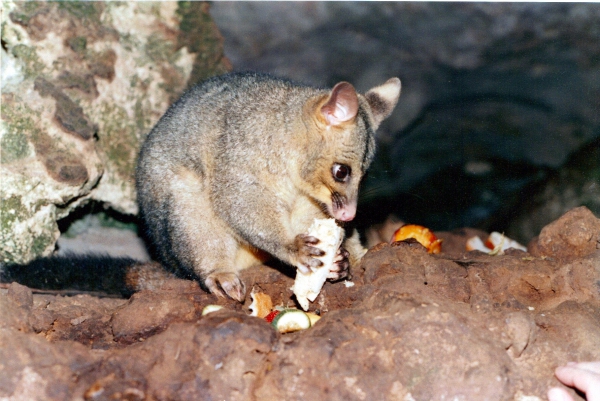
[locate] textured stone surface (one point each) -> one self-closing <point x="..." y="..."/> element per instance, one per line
<point x="576" y="234"/>
<point x="414" y="326"/>
<point x="82" y="83"/>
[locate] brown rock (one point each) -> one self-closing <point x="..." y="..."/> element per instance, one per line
<point x="80" y="318"/>
<point x="20" y="295"/>
<point x="391" y="348"/>
<point x="150" y="312"/>
<point x="13" y="316"/>
<point x="575" y="234"/>
<point x="520" y="329"/>
<point x="414" y="326"/>
<point x="269" y="281"/>
<point x="221" y="357"/>
<point x="34" y="369"/>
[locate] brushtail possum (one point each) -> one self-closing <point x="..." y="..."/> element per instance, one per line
<point x="245" y="162"/>
<point x="239" y="167"/>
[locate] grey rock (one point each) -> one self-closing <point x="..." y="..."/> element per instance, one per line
<point x="82" y="84"/>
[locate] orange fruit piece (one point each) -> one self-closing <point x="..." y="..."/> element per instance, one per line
<point x="422" y="234"/>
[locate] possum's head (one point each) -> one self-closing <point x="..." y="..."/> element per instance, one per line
<point x="342" y="128"/>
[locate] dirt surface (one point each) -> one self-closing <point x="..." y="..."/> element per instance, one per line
<point x="415" y="326"/>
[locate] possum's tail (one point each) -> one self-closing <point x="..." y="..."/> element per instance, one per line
<point x="91" y="273"/>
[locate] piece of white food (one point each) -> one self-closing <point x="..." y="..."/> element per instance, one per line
<point x="500" y="242"/>
<point x="211" y="308"/>
<point x="308" y="286"/>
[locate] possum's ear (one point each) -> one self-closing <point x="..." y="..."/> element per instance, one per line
<point x="342" y="105"/>
<point x="383" y="99"/>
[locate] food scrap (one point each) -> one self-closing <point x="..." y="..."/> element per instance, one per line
<point x="211" y="308"/>
<point x="422" y="234"/>
<point x="496" y="244"/>
<point x="308" y="286"/>
<point x="284" y="320"/>
<point x="314" y="318"/>
<point x="269" y="318"/>
<point x="261" y="304"/>
<point x="289" y="320"/>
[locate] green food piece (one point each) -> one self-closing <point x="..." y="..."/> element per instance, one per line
<point x="290" y="320"/>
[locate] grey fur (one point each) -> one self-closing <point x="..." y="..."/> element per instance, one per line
<point x="238" y="163"/>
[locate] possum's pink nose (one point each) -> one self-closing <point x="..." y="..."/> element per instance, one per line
<point x="345" y="213"/>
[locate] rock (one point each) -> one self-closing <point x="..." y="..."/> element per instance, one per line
<point x="520" y="329"/>
<point x="414" y="326"/>
<point x="20" y="295"/>
<point x="35" y="369"/>
<point x="270" y="281"/>
<point x="14" y="316"/>
<point x="82" y="84"/>
<point x="576" y="234"/>
<point x="150" y="312"/>
<point x="81" y="318"/>
<point x="222" y="356"/>
<point x="392" y="347"/>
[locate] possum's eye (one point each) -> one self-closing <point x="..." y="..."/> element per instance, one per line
<point x="340" y="172"/>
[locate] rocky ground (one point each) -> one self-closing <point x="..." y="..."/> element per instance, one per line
<point x="415" y="326"/>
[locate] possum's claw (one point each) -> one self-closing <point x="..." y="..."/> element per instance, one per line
<point x="341" y="265"/>
<point x="307" y="252"/>
<point x="226" y="284"/>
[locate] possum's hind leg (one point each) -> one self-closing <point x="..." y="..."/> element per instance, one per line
<point x="200" y="240"/>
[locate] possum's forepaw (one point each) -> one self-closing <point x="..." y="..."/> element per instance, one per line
<point x="341" y="266"/>
<point x="306" y="252"/>
<point x="226" y="284"/>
